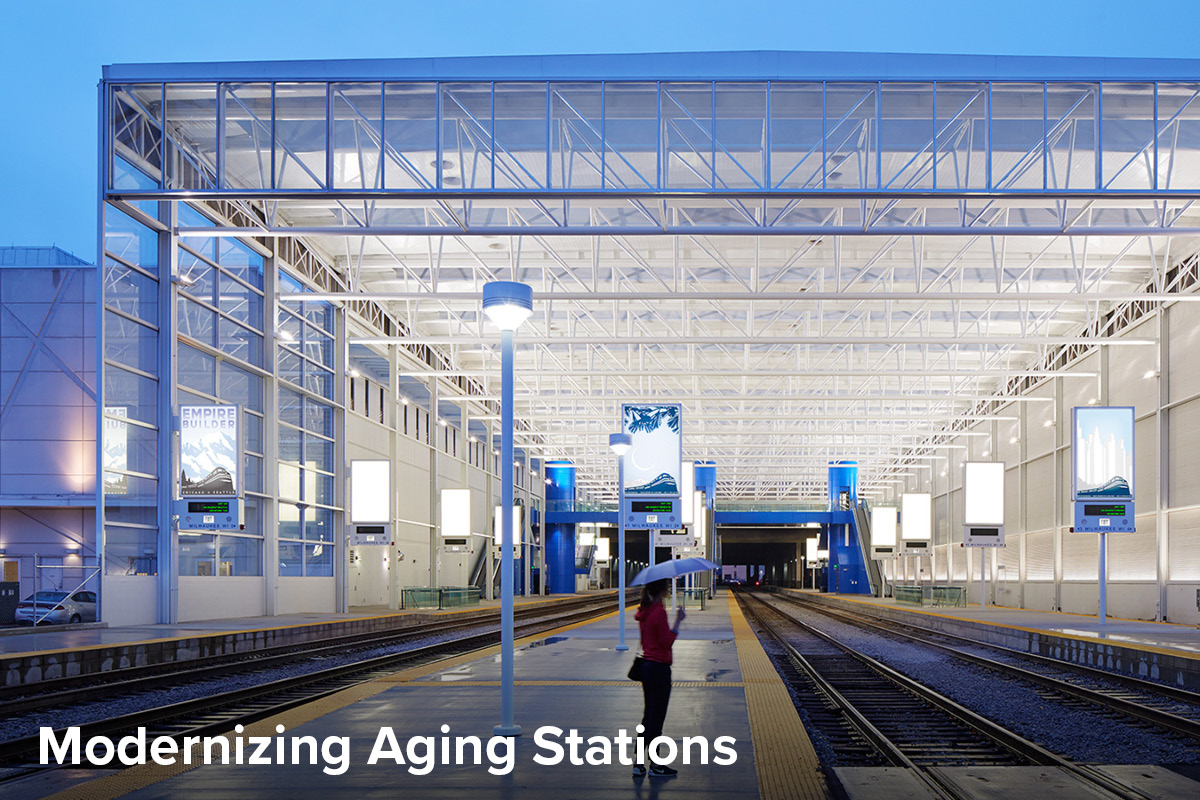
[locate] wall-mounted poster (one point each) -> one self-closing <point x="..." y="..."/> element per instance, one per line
<point x="116" y="449"/>
<point x="653" y="466"/>
<point x="209" y="451"/>
<point x="1103" y="453"/>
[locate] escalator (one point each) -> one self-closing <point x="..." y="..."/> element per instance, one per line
<point x="862" y="526"/>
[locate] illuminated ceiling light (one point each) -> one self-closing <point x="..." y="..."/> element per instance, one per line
<point x="442" y="422"/>
<point x="404" y="401"/>
<point x="1152" y="373"/>
<point x="507" y="303"/>
<point x="1013" y="440"/>
<point x="1092" y="401"/>
<point x="1048" y="423"/>
<point x="285" y="335"/>
<point x="355" y="373"/>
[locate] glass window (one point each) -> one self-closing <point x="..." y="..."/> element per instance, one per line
<point x="319" y="525"/>
<point x="291" y="560"/>
<point x="131" y="292"/>
<point x="300" y="135"/>
<point x="240" y="302"/>
<point x="130" y="343"/>
<point x="197" y="554"/>
<point x="238" y="259"/>
<point x="318" y="560"/>
<point x="240" y="556"/>
<point x="410" y="124"/>
<point x="129" y="240"/>
<point x="130" y="551"/>
<point x="131" y="395"/>
<point x="241" y="387"/>
<point x="197" y="370"/>
<point x="291" y="520"/>
<point x="196" y="321"/>
<point x="239" y="342"/>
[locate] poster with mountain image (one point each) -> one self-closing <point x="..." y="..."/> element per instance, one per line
<point x="654" y="463"/>
<point x="209" y="451"/>
<point x="1103" y="450"/>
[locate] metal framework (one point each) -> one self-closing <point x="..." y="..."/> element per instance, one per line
<point x="855" y="268"/>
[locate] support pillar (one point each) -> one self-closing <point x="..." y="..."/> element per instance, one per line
<point x="560" y="537"/>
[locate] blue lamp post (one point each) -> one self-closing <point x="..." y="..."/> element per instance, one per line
<point x="620" y="443"/>
<point x="507" y="304"/>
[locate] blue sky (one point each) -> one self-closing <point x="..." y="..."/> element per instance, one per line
<point x="53" y="52"/>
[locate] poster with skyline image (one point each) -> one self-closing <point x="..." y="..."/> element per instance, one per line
<point x="1103" y="452"/>
<point x="654" y="464"/>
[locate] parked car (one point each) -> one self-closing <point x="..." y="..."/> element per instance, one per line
<point x="57" y="608"/>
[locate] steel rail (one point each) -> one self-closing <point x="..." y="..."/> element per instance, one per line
<point x="1163" y="719"/>
<point x="1001" y="735"/>
<point x="311" y="684"/>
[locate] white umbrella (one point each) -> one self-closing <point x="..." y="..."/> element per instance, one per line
<point x="673" y="569"/>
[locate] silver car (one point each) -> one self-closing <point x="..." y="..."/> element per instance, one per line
<point x="57" y="608"/>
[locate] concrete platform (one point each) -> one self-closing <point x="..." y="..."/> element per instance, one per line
<point x="46" y="653"/>
<point x="574" y="678"/>
<point x="1154" y="650"/>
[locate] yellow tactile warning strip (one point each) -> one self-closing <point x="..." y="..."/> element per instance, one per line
<point x="207" y="633"/>
<point x="625" y="683"/>
<point x="1125" y="643"/>
<point x="784" y="758"/>
<point x="135" y="778"/>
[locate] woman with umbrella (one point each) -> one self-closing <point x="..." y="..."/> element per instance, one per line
<point x="657" y="638"/>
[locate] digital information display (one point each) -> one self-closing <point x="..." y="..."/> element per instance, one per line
<point x="208" y="506"/>
<point x="1114" y="510"/>
<point x="983" y="536"/>
<point x="1104" y="518"/>
<point x="652" y="514"/>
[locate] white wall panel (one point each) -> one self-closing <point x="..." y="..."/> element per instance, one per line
<point x="1127" y="367"/>
<point x="1132" y="556"/>
<point x="1145" y="464"/>
<point x="1183" y="454"/>
<point x="1012" y="501"/>
<point x="305" y="595"/>
<point x="1079" y="391"/>
<point x="1039" y="493"/>
<point x="1183" y="326"/>
<point x="1183" y="545"/>
<point x="1080" y="556"/>
<point x="1039" y="556"/>
<point x="222" y="597"/>
<point x="1040" y="438"/>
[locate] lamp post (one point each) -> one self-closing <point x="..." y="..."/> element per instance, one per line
<point x="620" y="443"/>
<point x="507" y="304"/>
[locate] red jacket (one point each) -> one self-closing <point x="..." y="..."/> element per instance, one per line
<point x="657" y="636"/>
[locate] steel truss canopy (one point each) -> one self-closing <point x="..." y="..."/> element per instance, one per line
<point x="841" y="255"/>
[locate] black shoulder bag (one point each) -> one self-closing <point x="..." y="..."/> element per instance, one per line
<point x="635" y="671"/>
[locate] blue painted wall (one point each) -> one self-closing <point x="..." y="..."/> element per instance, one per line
<point x="847" y="572"/>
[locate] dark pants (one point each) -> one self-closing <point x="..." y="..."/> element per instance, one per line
<point x="656" y="689"/>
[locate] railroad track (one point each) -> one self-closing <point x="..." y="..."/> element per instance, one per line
<point x="22" y="699"/>
<point x="890" y="719"/>
<point x="1168" y="707"/>
<point x="219" y="713"/>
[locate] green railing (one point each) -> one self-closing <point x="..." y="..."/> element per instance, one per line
<point x="447" y="597"/>
<point x="949" y="596"/>
<point x="909" y="594"/>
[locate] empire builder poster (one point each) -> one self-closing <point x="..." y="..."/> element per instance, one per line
<point x="208" y="451"/>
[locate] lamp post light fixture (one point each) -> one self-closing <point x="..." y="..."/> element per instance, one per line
<point x="507" y="304"/>
<point x="620" y="443"/>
